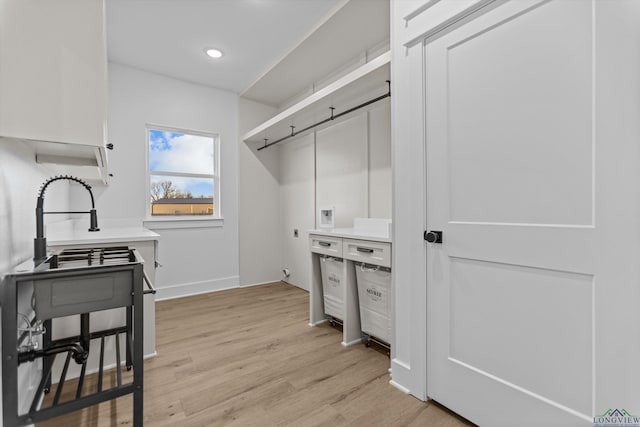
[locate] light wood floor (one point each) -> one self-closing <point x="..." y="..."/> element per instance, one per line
<point x="247" y="357"/>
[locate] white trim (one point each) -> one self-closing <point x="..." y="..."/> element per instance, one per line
<point x="401" y="364"/>
<point x="198" y="132"/>
<point x="196" y="288"/>
<point x="399" y="387"/>
<point x="350" y="343"/>
<point x="150" y="355"/>
<point x="450" y="24"/>
<point x="175" y="222"/>
<point x="419" y="10"/>
<point x="319" y="322"/>
<point x="215" y="136"/>
<point x="269" y="282"/>
<point x="182" y="174"/>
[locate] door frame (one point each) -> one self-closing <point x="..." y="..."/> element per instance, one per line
<point x="413" y="25"/>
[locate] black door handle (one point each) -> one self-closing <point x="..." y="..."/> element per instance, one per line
<point x="433" y="236"/>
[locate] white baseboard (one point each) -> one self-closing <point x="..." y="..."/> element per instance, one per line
<point x="404" y="378"/>
<point x="296" y="285"/>
<point x="319" y="322"/>
<point x="196" y="288"/>
<point x="399" y="387"/>
<point x="261" y="283"/>
<point x="350" y="343"/>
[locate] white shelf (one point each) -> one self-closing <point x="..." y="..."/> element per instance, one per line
<point x="359" y="86"/>
<point x="87" y="162"/>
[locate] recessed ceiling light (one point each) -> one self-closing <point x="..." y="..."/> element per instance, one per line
<point x="214" y="53"/>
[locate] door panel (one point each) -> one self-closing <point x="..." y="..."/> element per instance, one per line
<point x="519" y="324"/>
<point x="512" y="321"/>
<point x="509" y="165"/>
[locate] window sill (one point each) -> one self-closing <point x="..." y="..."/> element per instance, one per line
<point x="176" y="222"/>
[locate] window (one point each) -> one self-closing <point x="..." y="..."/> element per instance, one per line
<point x="183" y="173"/>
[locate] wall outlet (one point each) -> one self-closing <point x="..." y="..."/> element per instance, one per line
<point x="295" y="232"/>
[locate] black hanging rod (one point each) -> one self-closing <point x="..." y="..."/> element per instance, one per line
<point x="332" y="117"/>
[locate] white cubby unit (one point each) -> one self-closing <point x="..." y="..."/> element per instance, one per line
<point x="352" y="246"/>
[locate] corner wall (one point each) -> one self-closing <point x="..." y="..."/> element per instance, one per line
<point x="259" y="204"/>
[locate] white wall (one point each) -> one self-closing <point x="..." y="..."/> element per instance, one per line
<point x="380" y="180"/>
<point x="342" y="170"/>
<point x="194" y="260"/>
<point x="297" y="206"/>
<point x="347" y="165"/>
<point x="20" y="181"/>
<point x="259" y="204"/>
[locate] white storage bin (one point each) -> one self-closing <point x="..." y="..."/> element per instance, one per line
<point x="374" y="293"/>
<point x="333" y="286"/>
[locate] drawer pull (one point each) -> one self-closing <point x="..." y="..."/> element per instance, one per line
<point x="365" y="250"/>
<point x="324" y="243"/>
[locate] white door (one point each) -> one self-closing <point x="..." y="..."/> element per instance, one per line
<point x="533" y="176"/>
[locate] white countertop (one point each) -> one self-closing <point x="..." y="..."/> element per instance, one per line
<point x="350" y="233"/>
<point x="75" y="232"/>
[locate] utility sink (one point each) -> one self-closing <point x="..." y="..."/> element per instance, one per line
<point x="78" y="281"/>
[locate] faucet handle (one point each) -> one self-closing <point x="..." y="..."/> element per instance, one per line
<point x="94" y="220"/>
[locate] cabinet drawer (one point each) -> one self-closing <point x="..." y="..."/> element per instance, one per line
<point x="326" y="245"/>
<point x="376" y="253"/>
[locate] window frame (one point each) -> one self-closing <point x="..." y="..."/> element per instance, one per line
<point x="166" y="221"/>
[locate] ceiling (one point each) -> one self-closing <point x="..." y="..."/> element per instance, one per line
<point x="360" y="28"/>
<point x="273" y="49"/>
<point x="169" y="36"/>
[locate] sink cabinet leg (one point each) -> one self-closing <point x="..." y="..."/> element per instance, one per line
<point x="128" y="347"/>
<point x="47" y="362"/>
<point x="85" y="338"/>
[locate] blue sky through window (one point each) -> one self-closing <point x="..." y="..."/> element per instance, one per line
<point x="176" y="152"/>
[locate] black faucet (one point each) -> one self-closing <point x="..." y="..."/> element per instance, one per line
<point x="40" y="242"/>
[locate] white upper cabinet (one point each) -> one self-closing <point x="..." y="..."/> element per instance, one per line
<point x="53" y="78"/>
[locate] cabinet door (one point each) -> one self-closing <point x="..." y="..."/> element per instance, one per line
<point x="53" y="72"/>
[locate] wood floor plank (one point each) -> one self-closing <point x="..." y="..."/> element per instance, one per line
<point x="247" y="357"/>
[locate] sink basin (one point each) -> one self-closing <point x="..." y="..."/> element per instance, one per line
<point x="77" y="281"/>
